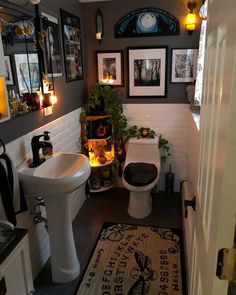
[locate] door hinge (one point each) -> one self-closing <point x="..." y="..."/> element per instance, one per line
<point x="226" y="265"/>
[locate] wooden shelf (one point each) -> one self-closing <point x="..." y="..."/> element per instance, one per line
<point x="102" y="189"/>
<point x="94" y="118"/>
<point x="102" y="165"/>
<point x="98" y="139"/>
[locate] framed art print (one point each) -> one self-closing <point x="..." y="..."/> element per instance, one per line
<point x="9" y="76"/>
<point x="72" y="46"/>
<point x="147" y="71"/>
<point x="27" y="71"/>
<point x="52" y="45"/>
<point x="109" y="66"/>
<point x="184" y="65"/>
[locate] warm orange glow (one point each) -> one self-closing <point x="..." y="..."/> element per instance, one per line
<point x="191" y="21"/>
<point x="108" y="80"/>
<point x="40" y="101"/>
<point x="53" y="99"/>
<point x="3" y="98"/>
<point x="98" y="148"/>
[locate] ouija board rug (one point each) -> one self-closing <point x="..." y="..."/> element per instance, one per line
<point x="134" y="260"/>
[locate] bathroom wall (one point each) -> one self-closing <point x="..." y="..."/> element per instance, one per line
<point x="70" y="95"/>
<point x="112" y="12"/>
<point x="65" y="136"/>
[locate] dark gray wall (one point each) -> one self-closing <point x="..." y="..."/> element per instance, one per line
<point x="70" y="95"/>
<point x="113" y="12"/>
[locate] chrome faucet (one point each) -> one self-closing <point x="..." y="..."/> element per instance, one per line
<point x="36" y="146"/>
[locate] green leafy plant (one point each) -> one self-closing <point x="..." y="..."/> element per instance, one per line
<point x="134" y="131"/>
<point x="163" y="144"/>
<point x="164" y="148"/>
<point x="104" y="100"/>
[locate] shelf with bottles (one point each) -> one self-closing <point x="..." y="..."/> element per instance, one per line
<point x="100" y="152"/>
<point x="101" y="178"/>
<point x="99" y="147"/>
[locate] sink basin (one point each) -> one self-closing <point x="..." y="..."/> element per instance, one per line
<point x="63" y="171"/>
<point x="55" y="180"/>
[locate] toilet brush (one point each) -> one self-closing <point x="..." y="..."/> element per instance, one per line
<point x="170" y="178"/>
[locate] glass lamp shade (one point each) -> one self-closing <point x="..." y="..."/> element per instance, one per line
<point x="191" y="21"/>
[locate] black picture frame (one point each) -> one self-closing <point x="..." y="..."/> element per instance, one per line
<point x="72" y="46"/>
<point x="27" y="72"/>
<point x="110" y="67"/>
<point x="183" y="65"/>
<point x="52" y="46"/>
<point x="9" y="75"/>
<point x="147" y="71"/>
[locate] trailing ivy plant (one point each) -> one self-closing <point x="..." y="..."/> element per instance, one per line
<point x="163" y="145"/>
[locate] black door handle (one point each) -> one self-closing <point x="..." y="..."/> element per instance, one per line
<point x="191" y="203"/>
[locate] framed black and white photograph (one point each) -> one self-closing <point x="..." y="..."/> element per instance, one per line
<point x="147" y="71"/>
<point x="27" y="73"/>
<point x="8" y="77"/>
<point x="52" y="46"/>
<point x="109" y="66"/>
<point x="72" y="46"/>
<point x="184" y="65"/>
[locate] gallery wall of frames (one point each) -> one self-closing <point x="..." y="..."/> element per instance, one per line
<point x="144" y="50"/>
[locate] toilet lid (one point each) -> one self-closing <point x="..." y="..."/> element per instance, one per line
<point x="140" y="174"/>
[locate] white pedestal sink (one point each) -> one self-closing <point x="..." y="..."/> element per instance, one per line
<point x="55" y="180"/>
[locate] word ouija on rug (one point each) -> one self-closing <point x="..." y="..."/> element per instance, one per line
<point x="134" y="260"/>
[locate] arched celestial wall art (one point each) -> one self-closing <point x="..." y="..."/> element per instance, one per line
<point x="147" y="22"/>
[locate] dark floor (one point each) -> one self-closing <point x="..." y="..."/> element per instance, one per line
<point x="110" y="206"/>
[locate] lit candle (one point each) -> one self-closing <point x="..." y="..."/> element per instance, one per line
<point x="98" y="35"/>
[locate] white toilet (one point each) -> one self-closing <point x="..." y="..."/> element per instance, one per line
<point x="140" y="174"/>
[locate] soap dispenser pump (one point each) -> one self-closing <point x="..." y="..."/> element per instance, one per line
<point x="47" y="149"/>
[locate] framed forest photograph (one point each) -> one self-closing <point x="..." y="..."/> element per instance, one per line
<point x="184" y="65"/>
<point x="147" y="71"/>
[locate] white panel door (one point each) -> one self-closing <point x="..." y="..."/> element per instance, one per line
<point x="214" y="222"/>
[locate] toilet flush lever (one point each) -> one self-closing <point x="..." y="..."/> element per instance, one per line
<point x="191" y="203"/>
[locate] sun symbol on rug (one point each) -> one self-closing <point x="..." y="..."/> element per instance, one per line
<point x="142" y="273"/>
<point x="114" y="233"/>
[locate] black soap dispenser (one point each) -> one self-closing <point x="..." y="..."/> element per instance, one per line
<point x="47" y="149"/>
<point x="170" y="179"/>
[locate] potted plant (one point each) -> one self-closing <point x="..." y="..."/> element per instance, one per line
<point x="104" y="100"/>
